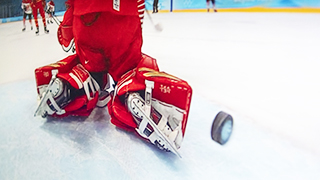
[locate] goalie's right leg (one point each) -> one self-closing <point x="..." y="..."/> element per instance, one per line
<point x="66" y="88"/>
<point x="58" y="94"/>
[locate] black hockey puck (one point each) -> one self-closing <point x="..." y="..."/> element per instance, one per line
<point x="222" y="127"/>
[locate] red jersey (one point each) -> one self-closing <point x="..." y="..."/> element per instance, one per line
<point x="123" y="7"/>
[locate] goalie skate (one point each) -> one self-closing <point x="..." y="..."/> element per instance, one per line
<point x="107" y="93"/>
<point x="147" y="128"/>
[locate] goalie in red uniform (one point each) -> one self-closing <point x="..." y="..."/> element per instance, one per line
<point x="108" y="39"/>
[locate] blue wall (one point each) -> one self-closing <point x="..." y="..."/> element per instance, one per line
<point x="201" y="4"/>
<point x="10" y="10"/>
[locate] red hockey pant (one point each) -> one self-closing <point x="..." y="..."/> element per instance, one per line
<point x="35" y="8"/>
<point x="107" y="42"/>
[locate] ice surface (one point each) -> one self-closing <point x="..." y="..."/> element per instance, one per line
<point x="261" y="68"/>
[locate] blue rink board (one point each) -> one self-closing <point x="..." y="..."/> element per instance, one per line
<point x="20" y="18"/>
<point x="92" y="148"/>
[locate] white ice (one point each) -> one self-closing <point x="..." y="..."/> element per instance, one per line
<point x="262" y="68"/>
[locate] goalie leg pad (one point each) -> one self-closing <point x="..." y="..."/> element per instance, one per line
<point x="68" y="93"/>
<point x="120" y="115"/>
<point x="44" y="74"/>
<point x="161" y="111"/>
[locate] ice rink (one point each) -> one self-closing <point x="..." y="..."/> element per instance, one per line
<point x="262" y="68"/>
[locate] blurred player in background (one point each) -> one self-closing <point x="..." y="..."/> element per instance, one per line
<point x="50" y="11"/>
<point x="155" y="6"/>
<point x="39" y="5"/>
<point x="213" y="5"/>
<point x="27" y="11"/>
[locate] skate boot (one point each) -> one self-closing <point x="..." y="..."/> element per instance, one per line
<point x="106" y="93"/>
<point x="37" y="32"/>
<point x="23" y="29"/>
<point x="61" y="95"/>
<point x="31" y="28"/>
<point x="46" y="30"/>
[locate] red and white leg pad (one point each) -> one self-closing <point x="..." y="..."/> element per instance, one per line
<point x="50" y="88"/>
<point x="44" y="74"/>
<point x="156" y="105"/>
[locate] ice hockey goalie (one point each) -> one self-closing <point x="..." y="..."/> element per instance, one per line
<point x="108" y="39"/>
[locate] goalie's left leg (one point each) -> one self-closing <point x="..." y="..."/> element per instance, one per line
<point x="154" y="103"/>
